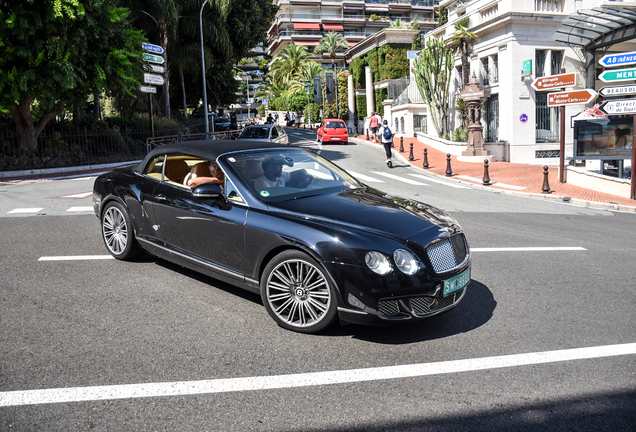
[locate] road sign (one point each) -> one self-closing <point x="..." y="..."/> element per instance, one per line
<point x="555" y="81"/>
<point x="618" y="75"/>
<point x="155" y="68"/>
<point x="152" y="48"/>
<point x="153" y="58"/>
<point x="621" y="59"/>
<point x="523" y="118"/>
<point x="571" y="97"/>
<point x="148" y="89"/>
<point x="623" y="106"/>
<point x="618" y="90"/>
<point x="411" y="54"/>
<point x="153" y="79"/>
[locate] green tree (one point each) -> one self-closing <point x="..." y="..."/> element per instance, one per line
<point x="56" y="52"/>
<point x="332" y="43"/>
<point x="463" y="39"/>
<point x="433" y="70"/>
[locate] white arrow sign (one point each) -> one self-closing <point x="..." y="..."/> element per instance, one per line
<point x="618" y="90"/>
<point x="624" y="106"/>
<point x="148" y="89"/>
<point x="155" y="68"/>
<point x="153" y="79"/>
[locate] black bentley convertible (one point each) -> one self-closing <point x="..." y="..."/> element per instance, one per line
<point x="316" y="243"/>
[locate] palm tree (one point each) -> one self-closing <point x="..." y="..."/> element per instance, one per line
<point x="332" y="42"/>
<point x="463" y="38"/>
<point x="398" y="24"/>
<point x="289" y="62"/>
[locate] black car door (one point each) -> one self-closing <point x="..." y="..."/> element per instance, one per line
<point x="201" y="227"/>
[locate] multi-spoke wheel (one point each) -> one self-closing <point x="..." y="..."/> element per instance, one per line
<point x="297" y="293"/>
<point x="117" y="232"/>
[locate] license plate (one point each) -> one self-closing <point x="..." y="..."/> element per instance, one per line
<point x="456" y="283"/>
<point x="335" y="138"/>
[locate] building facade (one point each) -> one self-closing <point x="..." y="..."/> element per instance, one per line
<point x="304" y="22"/>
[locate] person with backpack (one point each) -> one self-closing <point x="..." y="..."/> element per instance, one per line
<point x="386" y="135"/>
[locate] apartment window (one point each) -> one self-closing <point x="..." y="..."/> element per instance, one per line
<point x="459" y="80"/>
<point x="547" y="129"/>
<point x="492" y="116"/>
<point x="420" y="123"/>
<point x="402" y="124"/>
<point x="484" y="72"/>
<point x="556" y="62"/>
<point x="548" y="5"/>
<point x="539" y="63"/>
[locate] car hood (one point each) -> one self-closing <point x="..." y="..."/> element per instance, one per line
<point x="369" y="210"/>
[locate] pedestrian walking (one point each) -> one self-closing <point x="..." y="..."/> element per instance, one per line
<point x="276" y="117"/>
<point x="373" y="125"/>
<point x="386" y="135"/>
<point x="293" y="119"/>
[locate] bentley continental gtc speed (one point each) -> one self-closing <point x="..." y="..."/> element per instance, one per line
<point x="283" y="222"/>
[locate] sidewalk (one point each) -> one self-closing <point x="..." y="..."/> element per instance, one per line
<point x="504" y="176"/>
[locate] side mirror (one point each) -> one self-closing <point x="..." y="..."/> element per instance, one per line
<point x="208" y="190"/>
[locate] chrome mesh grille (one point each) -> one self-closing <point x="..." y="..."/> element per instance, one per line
<point x="426" y="305"/>
<point x="447" y="254"/>
<point x="388" y="307"/>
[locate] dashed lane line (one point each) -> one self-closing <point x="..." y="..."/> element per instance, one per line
<point x="364" y="177"/>
<point x="25" y="210"/>
<point x="80" y="209"/>
<point x="312" y="379"/>
<point x="434" y="180"/>
<point x="75" y="258"/>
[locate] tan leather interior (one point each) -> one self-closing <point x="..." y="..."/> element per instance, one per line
<point x="201" y="170"/>
<point x="176" y="169"/>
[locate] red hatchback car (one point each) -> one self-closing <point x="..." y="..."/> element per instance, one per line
<point x="332" y="130"/>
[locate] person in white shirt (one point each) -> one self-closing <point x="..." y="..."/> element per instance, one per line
<point x="273" y="175"/>
<point x="387" y="141"/>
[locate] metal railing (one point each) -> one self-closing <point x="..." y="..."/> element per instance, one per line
<point x="403" y="91"/>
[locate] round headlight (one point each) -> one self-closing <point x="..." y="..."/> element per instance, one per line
<point x="406" y="262"/>
<point x="378" y="262"/>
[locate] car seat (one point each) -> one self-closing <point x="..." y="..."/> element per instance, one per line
<point x="175" y="170"/>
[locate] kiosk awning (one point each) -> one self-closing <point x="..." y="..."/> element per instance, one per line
<point x="598" y="27"/>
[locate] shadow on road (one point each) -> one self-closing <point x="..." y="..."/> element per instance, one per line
<point x="473" y="311"/>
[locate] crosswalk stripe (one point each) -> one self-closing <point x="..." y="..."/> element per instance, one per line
<point x="398" y="178"/>
<point x="26" y="210"/>
<point x="434" y="180"/>
<point x="79" y="195"/>
<point x="365" y="178"/>
<point x="80" y="209"/>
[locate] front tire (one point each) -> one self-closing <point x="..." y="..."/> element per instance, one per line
<point x="297" y="293"/>
<point x="117" y="232"/>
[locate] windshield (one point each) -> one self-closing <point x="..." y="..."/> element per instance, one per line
<point x="255" y="132"/>
<point x="281" y="175"/>
<point x="335" y="124"/>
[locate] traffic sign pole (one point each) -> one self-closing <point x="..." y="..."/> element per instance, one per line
<point x="633" y="189"/>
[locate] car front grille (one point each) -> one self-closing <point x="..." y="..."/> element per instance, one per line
<point x="417" y="306"/>
<point x="447" y="254"/>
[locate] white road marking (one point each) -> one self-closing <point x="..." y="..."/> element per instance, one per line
<point x="527" y="249"/>
<point x="398" y="178"/>
<point x="26" y="210"/>
<point x="503" y="185"/>
<point x="80" y="209"/>
<point x="181" y="388"/>
<point x="365" y="178"/>
<point x="75" y="257"/>
<point x="79" y="195"/>
<point x="434" y="180"/>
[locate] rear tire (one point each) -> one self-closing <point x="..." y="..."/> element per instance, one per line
<point x="117" y="232"/>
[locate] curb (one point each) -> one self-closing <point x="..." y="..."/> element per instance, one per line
<point x="557" y="199"/>
<point x="25" y="174"/>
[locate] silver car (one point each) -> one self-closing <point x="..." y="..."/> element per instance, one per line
<point x="265" y="132"/>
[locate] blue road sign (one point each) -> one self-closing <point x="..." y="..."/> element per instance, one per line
<point x="621" y="59"/>
<point x="152" y="48"/>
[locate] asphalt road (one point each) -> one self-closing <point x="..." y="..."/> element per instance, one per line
<point x="544" y="339"/>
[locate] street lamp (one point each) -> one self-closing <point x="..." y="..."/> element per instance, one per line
<point x="248" y="91"/>
<point x="307" y="90"/>
<point x="205" y="93"/>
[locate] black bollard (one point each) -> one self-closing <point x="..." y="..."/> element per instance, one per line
<point x="486" y="179"/>
<point x="401" y="144"/>
<point x="411" y="157"/>
<point x="425" y="164"/>
<point x="449" y="171"/>
<point x="546" y="184"/>
<point x="367" y="134"/>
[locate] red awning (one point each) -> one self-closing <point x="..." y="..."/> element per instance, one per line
<point x="305" y="42"/>
<point x="352" y="43"/>
<point x="332" y="27"/>
<point x="306" y="26"/>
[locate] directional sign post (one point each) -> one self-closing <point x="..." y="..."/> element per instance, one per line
<point x="621" y="59"/>
<point x="152" y="48"/>
<point x="618" y="90"/>
<point x="555" y="81"/>
<point x="618" y="75"/>
<point x="155" y="68"/>
<point x="573" y="97"/>
<point x="618" y="107"/>
<point x="153" y="58"/>
<point x="148" y="89"/>
<point x="153" y="79"/>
